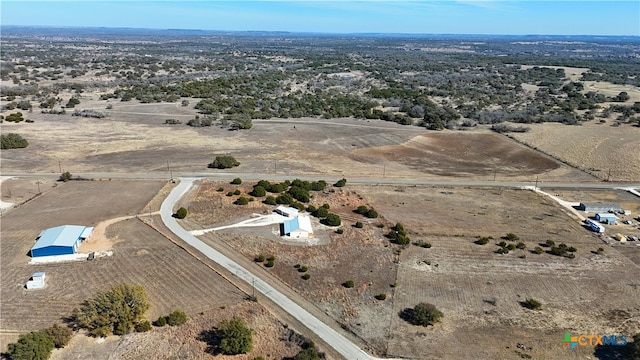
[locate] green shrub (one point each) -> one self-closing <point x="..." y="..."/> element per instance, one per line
<point x="340" y="183"/>
<point x="511" y="237"/>
<point x="230" y="193"/>
<point x="220" y="189"/>
<point x="259" y="191"/>
<point x="532" y="304"/>
<point x="359" y="225"/>
<point x="259" y="258"/>
<point x="521" y="245"/>
<point x="59" y="335"/>
<point x="176" y="318"/>
<point x="65" y="176"/>
<point x="269" y="200"/>
<point x="181" y="213"/>
<point x="381" y="296"/>
<point x="241" y="201"/>
<point x="538" y="250"/>
<point x="12" y="141"/>
<point x="223" y="162"/>
<point x="303" y="268"/>
<point x="236" y="181"/>
<point x="160" y="322"/>
<point x="35" y="345"/>
<point x="332" y="220"/>
<point x="339" y="231"/>
<point x="237" y="192"/>
<point x="423" y="314"/>
<point x="482" y="241"/>
<point x="349" y="284"/>
<point x="235" y="337"/>
<point x="306" y="276"/>
<point x="143" y="326"/>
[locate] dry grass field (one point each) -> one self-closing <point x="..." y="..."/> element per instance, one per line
<point x="135" y="139"/>
<point x="460" y="277"/>
<point x="606" y="151"/>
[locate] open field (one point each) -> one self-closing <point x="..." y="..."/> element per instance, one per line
<point x="337" y="147"/>
<point x="460" y="277"/>
<point x="606" y="151"/>
<point x="171" y="276"/>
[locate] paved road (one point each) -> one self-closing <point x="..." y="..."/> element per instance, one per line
<point x="341" y="344"/>
<point x="350" y="180"/>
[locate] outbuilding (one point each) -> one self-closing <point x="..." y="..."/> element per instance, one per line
<point x="60" y="240"/>
<point x="298" y="227"/>
<point x="599" y="207"/>
<point x="606" y="218"/>
<point x="36" y="281"/>
<point x="289" y="212"/>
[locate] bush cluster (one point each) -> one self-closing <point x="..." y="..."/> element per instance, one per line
<point x="370" y="213"/>
<point x="39" y="344"/>
<point x="12" y="141"/>
<point x="223" y="162"/>
<point x="398" y="235"/>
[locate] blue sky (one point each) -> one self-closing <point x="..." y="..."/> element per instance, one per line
<point x="504" y="17"/>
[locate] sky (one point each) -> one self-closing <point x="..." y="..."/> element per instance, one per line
<point x="496" y="17"/>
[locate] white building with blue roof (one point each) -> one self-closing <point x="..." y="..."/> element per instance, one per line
<point x="60" y="240"/>
<point x="298" y="227"/>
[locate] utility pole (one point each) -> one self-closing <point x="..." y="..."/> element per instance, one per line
<point x="38" y="183"/>
<point x="536" y="188"/>
<point x="169" y="170"/>
<point x="495" y="172"/>
<point x="59" y="167"/>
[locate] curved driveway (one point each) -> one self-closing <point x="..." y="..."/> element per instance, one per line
<point x="341" y="344"/>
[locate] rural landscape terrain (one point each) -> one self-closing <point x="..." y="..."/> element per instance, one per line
<point x="415" y="158"/>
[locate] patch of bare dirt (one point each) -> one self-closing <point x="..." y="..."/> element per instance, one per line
<point x="461" y="155"/>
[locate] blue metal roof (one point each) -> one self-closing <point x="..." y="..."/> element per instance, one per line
<point x="65" y="235"/>
<point x="291" y="225"/>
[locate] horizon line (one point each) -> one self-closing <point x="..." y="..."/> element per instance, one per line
<point x="308" y="32"/>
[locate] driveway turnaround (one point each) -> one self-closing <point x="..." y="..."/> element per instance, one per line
<point x="341" y="344"/>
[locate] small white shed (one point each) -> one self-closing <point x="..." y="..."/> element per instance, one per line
<point x="37" y="281"/>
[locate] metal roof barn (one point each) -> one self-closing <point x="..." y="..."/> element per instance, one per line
<point x="60" y="240"/>
<point x="598" y="207"/>
<point x="297" y="227"/>
<point x="606" y="218"/>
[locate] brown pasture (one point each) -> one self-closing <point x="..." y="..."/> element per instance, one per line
<point x="457" y="275"/>
<point x="135" y="139"/>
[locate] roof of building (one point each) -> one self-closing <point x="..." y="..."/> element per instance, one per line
<point x="606" y="215"/>
<point x="287" y="210"/>
<point x="600" y="205"/>
<point x="39" y="274"/>
<point x="65" y="235"/>
<point x="301" y="222"/>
